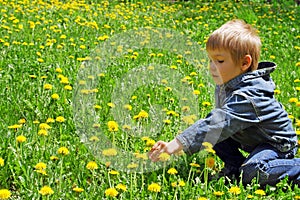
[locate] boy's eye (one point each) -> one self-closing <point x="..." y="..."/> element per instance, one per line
<point x="220" y="61"/>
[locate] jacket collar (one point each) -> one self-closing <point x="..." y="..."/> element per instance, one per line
<point x="264" y="69"/>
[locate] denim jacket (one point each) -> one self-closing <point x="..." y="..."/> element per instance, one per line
<point x="246" y="111"/>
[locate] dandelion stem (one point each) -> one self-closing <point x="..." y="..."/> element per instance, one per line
<point x="61" y="172"/>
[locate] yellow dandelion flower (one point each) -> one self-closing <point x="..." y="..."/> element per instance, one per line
<point x="50" y="120"/>
<point x="206" y="104"/>
<point x="145" y="138"/>
<point x="249" y="196"/>
<point x="41" y="171"/>
<point x="201" y="85"/>
<point x="152" y="54"/>
<point x="168" y="89"/>
<point x="54" y="158"/>
<point x="291" y="116"/>
<point x="21" y="138"/>
<point x="207" y="145"/>
<point x="173" y="67"/>
<point x="297" y="197"/>
<point x="272" y="57"/>
<point x="122" y="187"/>
<point x="276" y="91"/>
<point x="111" y="192"/>
<point x="128" y="107"/>
<point x="210" y="162"/>
<point x="96" y="125"/>
<point x="132" y="166"/>
<point x="260" y="192"/>
<point x="44" y="126"/>
<point x="22" y="121"/>
<point x="172" y="171"/>
<point x="202" y="198"/>
<point x="46" y="190"/>
<point x="107" y="164"/>
<point x="5" y="194"/>
<point x="55" y="96"/>
<point x="126" y="127"/>
<point x="48" y="86"/>
<point x="113" y="172"/>
<point x="58" y="70"/>
<point x="164" y="81"/>
<point x="32" y="76"/>
<point x="181" y="183"/>
<point x="40" y="166"/>
<point x="218" y="193"/>
<point x="112" y="126"/>
<point x="92" y="165"/>
<point x="82" y="82"/>
<point x="154" y="187"/>
<point x="68" y="87"/>
<point x="167" y="121"/>
<point x="150" y="142"/>
<point x="193" y="74"/>
<point x="235" y="190"/>
<point x="142" y="156"/>
<point x="60" y="119"/>
<point x="293" y="100"/>
<point x="94" y="139"/>
<point x="63" y="151"/>
<point x="63" y="36"/>
<point x="111" y="105"/>
<point x="15" y="126"/>
<point x="188" y="119"/>
<point x="101" y="75"/>
<point x="109" y="152"/>
<point x="185" y="108"/>
<point x="97" y="107"/>
<point x="40" y="60"/>
<point x="143" y="114"/>
<point x="164" y="157"/>
<point x="78" y="189"/>
<point x="194" y="165"/>
<point x="1" y="162"/>
<point x="64" y="80"/>
<point x="196" y="92"/>
<point x="171" y="113"/>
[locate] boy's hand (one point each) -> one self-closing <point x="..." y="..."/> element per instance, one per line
<point x="158" y="148"/>
<point x="164" y="147"/>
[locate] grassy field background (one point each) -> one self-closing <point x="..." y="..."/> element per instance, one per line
<point x="87" y="87"/>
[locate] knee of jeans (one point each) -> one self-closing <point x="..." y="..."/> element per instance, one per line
<point x="253" y="170"/>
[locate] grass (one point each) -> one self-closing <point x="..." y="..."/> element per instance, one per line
<point x="101" y="81"/>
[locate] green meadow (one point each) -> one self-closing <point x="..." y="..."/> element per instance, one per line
<point x="87" y="87"/>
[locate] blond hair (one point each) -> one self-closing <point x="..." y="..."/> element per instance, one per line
<point x="239" y="38"/>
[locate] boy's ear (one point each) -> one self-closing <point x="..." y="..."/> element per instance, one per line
<point x="246" y="63"/>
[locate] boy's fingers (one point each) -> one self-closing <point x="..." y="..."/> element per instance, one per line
<point x="156" y="146"/>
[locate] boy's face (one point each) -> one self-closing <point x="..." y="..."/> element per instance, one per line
<point x="222" y="67"/>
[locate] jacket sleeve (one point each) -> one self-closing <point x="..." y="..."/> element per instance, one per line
<point x="237" y="114"/>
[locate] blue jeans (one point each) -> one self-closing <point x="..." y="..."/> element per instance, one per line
<point x="265" y="163"/>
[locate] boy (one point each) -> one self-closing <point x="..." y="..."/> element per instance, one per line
<point x="246" y="116"/>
